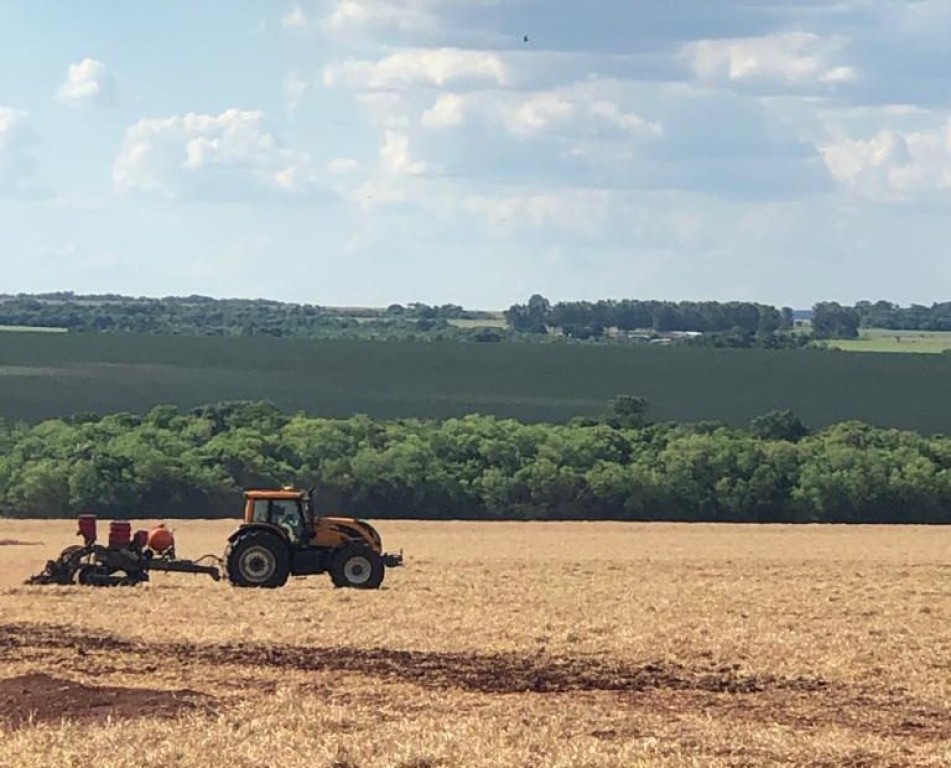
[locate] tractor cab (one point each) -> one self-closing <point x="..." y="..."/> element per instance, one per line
<point x="289" y="510"/>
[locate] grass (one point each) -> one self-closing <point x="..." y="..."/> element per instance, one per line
<point x="49" y="375"/>
<point x="493" y="322"/>
<point x="884" y="340"/>
<point x="462" y="322"/>
<point x="656" y="644"/>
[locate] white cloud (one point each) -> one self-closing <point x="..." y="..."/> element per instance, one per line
<point x="386" y="108"/>
<point x="421" y="67"/>
<point x="406" y="15"/>
<point x="893" y="165"/>
<point x="376" y="193"/>
<point x="574" y="211"/>
<point x="520" y="136"/>
<point x="88" y="83"/>
<point x="362" y="20"/>
<point x="341" y="166"/>
<point x="295" y="18"/>
<point x="566" y="111"/>
<point x="447" y="112"/>
<point x="642" y="221"/>
<point x="570" y="111"/>
<point x="623" y="136"/>
<point x="294" y="89"/>
<point x="538" y="113"/>
<point x="612" y="113"/>
<point x="16" y="141"/>
<point x="228" y="156"/>
<point x="12" y="126"/>
<point x="786" y="58"/>
<point x="395" y="155"/>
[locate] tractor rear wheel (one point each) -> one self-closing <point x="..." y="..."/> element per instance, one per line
<point x="357" y="566"/>
<point x="258" y="559"/>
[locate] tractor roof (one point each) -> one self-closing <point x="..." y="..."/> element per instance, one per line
<point x="282" y="494"/>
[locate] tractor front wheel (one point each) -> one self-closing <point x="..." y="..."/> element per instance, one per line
<point x="357" y="566"/>
<point x="258" y="559"/>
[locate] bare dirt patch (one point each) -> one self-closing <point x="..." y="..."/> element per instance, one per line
<point x="40" y="698"/>
<point x="486" y="673"/>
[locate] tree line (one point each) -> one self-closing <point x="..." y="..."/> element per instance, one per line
<point x="917" y="317"/>
<point x="592" y="318"/>
<point x="733" y="323"/>
<point x="202" y="315"/>
<point x="724" y="323"/>
<point x="172" y="463"/>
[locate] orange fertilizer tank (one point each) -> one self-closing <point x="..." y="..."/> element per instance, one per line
<point x="161" y="539"/>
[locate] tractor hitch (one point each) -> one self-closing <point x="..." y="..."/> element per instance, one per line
<point x="391" y="560"/>
<point x="183" y="566"/>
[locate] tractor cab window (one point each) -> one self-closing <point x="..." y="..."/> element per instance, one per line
<point x="260" y="513"/>
<point x="286" y="514"/>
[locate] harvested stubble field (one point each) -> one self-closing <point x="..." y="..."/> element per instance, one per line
<point x="500" y="644"/>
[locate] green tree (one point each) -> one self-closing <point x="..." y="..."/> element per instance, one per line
<point x="628" y="411"/>
<point x="830" y="320"/>
<point x="779" y="425"/>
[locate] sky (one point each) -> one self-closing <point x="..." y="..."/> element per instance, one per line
<point x="365" y="152"/>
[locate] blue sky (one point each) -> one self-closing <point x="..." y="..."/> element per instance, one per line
<point x="363" y="152"/>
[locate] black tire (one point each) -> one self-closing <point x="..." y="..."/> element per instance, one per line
<point x="66" y="566"/>
<point x="94" y="575"/>
<point x="85" y="574"/>
<point x="357" y="566"/>
<point x="258" y="559"/>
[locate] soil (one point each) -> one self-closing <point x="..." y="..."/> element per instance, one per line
<point x="485" y="673"/>
<point x="704" y="686"/>
<point x="40" y="698"/>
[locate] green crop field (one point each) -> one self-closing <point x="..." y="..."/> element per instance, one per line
<point x="30" y="329"/>
<point x="884" y="340"/>
<point x="46" y="375"/>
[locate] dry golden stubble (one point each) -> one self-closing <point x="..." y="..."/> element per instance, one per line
<point x="602" y="644"/>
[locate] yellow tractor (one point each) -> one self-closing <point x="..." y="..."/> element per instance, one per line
<point x="283" y="536"/>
